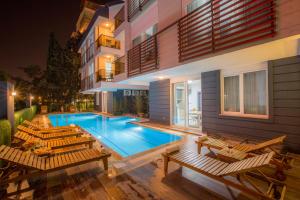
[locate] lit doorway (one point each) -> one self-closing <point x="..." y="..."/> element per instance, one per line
<point x="187" y="104"/>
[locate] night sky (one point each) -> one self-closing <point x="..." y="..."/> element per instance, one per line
<point x="25" y="28"/>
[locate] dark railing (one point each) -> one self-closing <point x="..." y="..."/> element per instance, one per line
<point x="134" y="6"/>
<point x="119" y="65"/>
<point x="107" y="41"/>
<point x="104" y="75"/>
<point x="222" y="24"/>
<point x="143" y="57"/>
<point x="87" y="55"/>
<point x="87" y="83"/>
<point x="119" y="17"/>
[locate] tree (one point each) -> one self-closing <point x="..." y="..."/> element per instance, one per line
<point x="59" y="84"/>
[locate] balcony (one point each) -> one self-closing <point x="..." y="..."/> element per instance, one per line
<point x="119" y="65"/>
<point x="107" y="41"/>
<point x="134" y="6"/>
<point x="104" y="75"/>
<point x="119" y="17"/>
<point x="143" y="57"/>
<point x="219" y="25"/>
<point x="87" y="83"/>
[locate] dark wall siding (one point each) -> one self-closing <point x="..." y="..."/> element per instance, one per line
<point x="159" y="101"/>
<point x="284" y="102"/>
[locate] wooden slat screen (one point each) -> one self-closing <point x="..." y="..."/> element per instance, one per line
<point x="143" y="57"/>
<point x="221" y="24"/>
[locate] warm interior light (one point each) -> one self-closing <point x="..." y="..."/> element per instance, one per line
<point x="106" y="24"/>
<point x="160" y="77"/>
<point x="14" y="93"/>
<point x="31" y="97"/>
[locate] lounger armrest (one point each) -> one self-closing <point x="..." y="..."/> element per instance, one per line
<point x="172" y="150"/>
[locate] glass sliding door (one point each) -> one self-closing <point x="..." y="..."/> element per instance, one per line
<point x="187" y="104"/>
<point x="179" y="102"/>
<point x="194" y="103"/>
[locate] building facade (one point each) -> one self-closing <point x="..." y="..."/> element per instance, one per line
<point x="221" y="67"/>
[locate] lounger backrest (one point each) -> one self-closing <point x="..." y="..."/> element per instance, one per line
<point x="22" y="136"/>
<point x="31" y="124"/>
<point x="268" y="143"/>
<point x="247" y="164"/>
<point x="26" y="129"/>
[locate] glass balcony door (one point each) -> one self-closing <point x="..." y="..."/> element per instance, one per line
<point x="194" y="103"/>
<point x="187" y="104"/>
<point x="179" y="104"/>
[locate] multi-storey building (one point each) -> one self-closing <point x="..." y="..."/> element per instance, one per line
<point x="221" y="66"/>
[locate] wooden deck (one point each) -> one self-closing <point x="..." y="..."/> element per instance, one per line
<point x="90" y="181"/>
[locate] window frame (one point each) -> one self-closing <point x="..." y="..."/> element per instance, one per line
<point x="241" y="113"/>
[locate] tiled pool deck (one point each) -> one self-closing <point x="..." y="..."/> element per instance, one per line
<point x="90" y="181"/>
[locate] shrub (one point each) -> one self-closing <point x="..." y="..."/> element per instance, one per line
<point x="24" y="114"/>
<point x="5" y="135"/>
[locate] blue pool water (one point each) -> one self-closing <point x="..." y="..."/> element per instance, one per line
<point x="124" y="138"/>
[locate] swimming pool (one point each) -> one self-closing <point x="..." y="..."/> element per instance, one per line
<point x="125" y="138"/>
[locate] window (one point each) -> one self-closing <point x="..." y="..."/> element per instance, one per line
<point x="231" y="94"/>
<point x="145" y="35"/>
<point x="195" y="4"/>
<point x="255" y="90"/>
<point x="246" y="94"/>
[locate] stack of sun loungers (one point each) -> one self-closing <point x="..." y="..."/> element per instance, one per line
<point x="245" y="160"/>
<point x="68" y="149"/>
<point x="241" y="170"/>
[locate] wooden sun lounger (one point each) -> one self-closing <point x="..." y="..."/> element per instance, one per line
<point x="218" y="170"/>
<point x="220" y="144"/>
<point x="37" y="166"/>
<point x="48" y="136"/>
<point x="58" y="143"/>
<point x="36" y="127"/>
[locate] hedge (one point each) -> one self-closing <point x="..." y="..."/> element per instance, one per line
<point x="24" y="114"/>
<point x="5" y="135"/>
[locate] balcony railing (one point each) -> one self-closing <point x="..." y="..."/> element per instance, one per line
<point x="87" y="55"/>
<point x="104" y="75"/>
<point x="87" y="83"/>
<point x="222" y="24"/>
<point x="120" y="17"/>
<point x="143" y="57"/>
<point x="107" y="41"/>
<point x="119" y="65"/>
<point x="134" y="6"/>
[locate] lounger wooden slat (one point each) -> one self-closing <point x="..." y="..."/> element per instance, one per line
<point x="18" y="156"/>
<point x="86" y="155"/>
<point x="78" y="157"/>
<point x="26" y="160"/>
<point x="23" y="157"/>
<point x="2" y="147"/>
<point x="8" y="154"/>
<point x="4" y="151"/>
